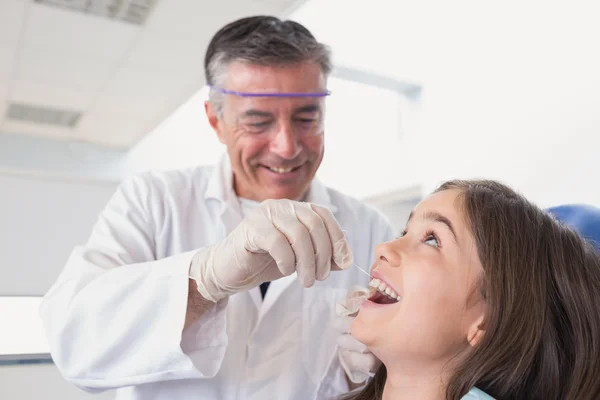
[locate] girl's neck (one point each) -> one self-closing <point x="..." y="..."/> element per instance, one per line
<point x="422" y="384"/>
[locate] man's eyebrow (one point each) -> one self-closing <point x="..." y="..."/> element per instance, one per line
<point x="256" y="113"/>
<point x="308" y="108"/>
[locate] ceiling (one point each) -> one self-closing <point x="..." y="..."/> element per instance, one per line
<point x="72" y="75"/>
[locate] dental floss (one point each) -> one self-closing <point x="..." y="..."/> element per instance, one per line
<point x="354" y="265"/>
<point x="365" y="272"/>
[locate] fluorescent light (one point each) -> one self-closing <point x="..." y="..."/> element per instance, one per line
<point x="133" y="11"/>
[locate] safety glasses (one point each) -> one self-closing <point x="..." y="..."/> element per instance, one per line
<point x="280" y="95"/>
<point x="304" y="120"/>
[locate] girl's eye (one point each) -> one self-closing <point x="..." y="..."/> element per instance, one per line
<point x="431" y="240"/>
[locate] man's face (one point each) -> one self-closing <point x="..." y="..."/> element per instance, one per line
<point x="275" y="143"/>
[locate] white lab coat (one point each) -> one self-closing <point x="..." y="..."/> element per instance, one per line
<point x="115" y="316"/>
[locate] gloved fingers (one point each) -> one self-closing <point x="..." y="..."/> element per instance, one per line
<point x="350" y="305"/>
<point x="343" y="324"/>
<point x="340" y="250"/>
<point x="269" y="239"/>
<point x="362" y="362"/>
<point x="355" y="376"/>
<point x="299" y="238"/>
<point x="348" y="342"/>
<point x="320" y="239"/>
<point x="358" y="377"/>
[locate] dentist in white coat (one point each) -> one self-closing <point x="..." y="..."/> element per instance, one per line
<point x="191" y="285"/>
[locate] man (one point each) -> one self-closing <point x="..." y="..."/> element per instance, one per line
<point x="170" y="297"/>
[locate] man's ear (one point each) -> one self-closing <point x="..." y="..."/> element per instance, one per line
<point x="475" y="332"/>
<point x="214" y="120"/>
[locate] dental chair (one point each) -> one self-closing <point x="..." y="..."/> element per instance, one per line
<point x="583" y="218"/>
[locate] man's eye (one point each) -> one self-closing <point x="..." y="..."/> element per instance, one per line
<point x="259" y="124"/>
<point x="306" y="121"/>
<point x="257" y="127"/>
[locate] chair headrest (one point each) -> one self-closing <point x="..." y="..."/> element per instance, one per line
<point x="583" y="218"/>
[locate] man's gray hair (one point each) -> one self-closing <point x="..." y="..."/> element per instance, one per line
<point x="260" y="40"/>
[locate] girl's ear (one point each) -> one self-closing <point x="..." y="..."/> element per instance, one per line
<point x="475" y="332"/>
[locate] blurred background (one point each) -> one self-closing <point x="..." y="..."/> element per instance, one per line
<point x="93" y="91"/>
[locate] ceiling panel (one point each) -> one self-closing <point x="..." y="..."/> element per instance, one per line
<point x="63" y="69"/>
<point x="11" y="19"/>
<point x="7" y="54"/>
<point x="133" y="88"/>
<point x="198" y="21"/>
<point x="181" y="57"/>
<point x="278" y="7"/>
<point x="125" y="78"/>
<point x="148" y="95"/>
<point x="7" y="57"/>
<point x="82" y="35"/>
<point x="115" y="128"/>
<point x="186" y="19"/>
<point x="50" y="95"/>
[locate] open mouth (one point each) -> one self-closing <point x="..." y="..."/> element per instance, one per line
<point x="279" y="170"/>
<point x="381" y="293"/>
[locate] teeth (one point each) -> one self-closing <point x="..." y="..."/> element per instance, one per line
<point x="281" y="170"/>
<point x="383" y="288"/>
<point x="374" y="283"/>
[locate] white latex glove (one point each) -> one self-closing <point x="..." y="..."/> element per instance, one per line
<point x="356" y="359"/>
<point x="276" y="239"/>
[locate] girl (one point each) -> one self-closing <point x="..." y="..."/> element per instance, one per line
<point x="483" y="296"/>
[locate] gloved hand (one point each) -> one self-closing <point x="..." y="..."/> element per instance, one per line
<point x="356" y="359"/>
<point x="276" y="239"/>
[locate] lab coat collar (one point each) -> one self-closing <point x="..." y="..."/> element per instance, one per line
<point x="220" y="188"/>
<point x="220" y="183"/>
<point x="319" y="195"/>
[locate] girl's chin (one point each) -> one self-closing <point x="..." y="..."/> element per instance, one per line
<point x="363" y="333"/>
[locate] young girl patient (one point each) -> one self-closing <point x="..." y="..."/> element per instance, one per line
<point x="483" y="296"/>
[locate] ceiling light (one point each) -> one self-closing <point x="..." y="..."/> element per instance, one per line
<point x="42" y="115"/>
<point x="132" y="11"/>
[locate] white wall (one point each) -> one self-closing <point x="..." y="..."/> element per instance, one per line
<point x="42" y="219"/>
<point x="60" y="158"/>
<point x="35" y="382"/>
<point x="517" y="99"/>
<point x="510" y="89"/>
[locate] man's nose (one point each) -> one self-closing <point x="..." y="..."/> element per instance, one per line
<point x="285" y="142"/>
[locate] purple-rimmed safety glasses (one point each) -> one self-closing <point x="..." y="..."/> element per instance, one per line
<point x="246" y="94"/>
<point x="307" y="120"/>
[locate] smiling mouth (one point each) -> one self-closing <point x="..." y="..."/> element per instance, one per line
<point x="381" y="293"/>
<point x="279" y="170"/>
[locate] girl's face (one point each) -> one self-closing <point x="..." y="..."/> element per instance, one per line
<point x="432" y="307"/>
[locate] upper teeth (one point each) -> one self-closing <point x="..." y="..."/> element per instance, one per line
<point x="383" y="288"/>
<point x="280" y="170"/>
